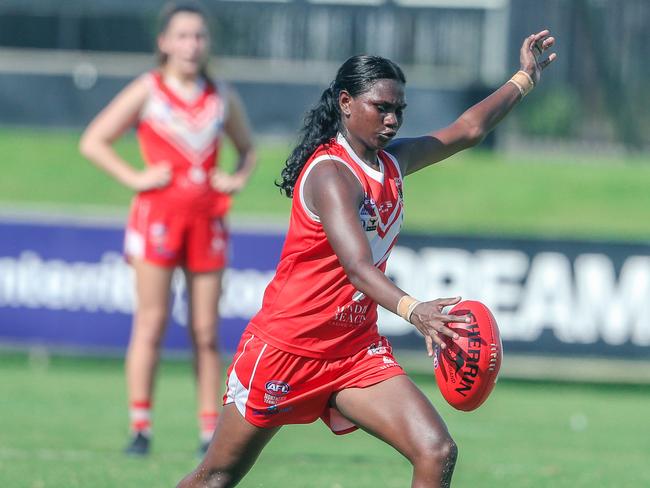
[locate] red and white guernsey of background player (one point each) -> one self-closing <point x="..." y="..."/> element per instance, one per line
<point x="165" y="224"/>
<point x="311" y="308"/>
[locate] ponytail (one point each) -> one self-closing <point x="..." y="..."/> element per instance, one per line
<point x="320" y="125"/>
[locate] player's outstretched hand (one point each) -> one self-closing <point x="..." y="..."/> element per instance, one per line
<point x="152" y="177"/>
<point x="227" y="183"/>
<point x="431" y="322"/>
<point x="532" y="49"/>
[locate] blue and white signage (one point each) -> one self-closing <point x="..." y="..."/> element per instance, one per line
<point x="68" y="285"/>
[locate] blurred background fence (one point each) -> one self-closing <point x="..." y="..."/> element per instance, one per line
<point x="540" y="240"/>
<point x="453" y="53"/>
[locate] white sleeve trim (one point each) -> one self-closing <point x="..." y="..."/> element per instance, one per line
<point x="311" y="166"/>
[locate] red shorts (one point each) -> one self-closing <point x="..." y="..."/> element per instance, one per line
<point x="168" y="237"/>
<point x="271" y="387"/>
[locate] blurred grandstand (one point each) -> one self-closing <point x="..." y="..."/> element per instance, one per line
<point x="83" y="51"/>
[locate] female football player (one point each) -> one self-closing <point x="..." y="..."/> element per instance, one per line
<point x="177" y="218"/>
<point x="313" y="350"/>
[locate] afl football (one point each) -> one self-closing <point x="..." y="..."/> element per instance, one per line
<point x="467" y="369"/>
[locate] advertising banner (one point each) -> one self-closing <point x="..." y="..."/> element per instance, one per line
<point x="67" y="285"/>
<point x="548" y="296"/>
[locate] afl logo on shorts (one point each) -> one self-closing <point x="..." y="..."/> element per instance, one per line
<point x="277" y="388"/>
<point x="157" y="230"/>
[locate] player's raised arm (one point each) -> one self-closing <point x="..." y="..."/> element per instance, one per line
<point x="110" y="124"/>
<point x="475" y="123"/>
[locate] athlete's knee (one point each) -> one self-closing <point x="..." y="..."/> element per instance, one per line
<point x="438" y="451"/>
<point x="449" y="451"/>
<point x="148" y="330"/>
<point x="205" y="339"/>
<point x="150" y="319"/>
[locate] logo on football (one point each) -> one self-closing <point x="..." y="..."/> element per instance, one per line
<point x="467" y="369"/>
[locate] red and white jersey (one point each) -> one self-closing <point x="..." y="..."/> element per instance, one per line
<point x="310" y="308"/>
<point x="187" y="136"/>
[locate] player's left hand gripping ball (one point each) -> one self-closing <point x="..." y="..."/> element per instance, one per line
<point x="467" y="369"/>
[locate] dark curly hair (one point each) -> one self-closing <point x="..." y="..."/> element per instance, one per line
<point x="356" y="76"/>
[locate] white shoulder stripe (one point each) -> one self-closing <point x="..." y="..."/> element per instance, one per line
<point x="326" y="157"/>
<point x="393" y="159"/>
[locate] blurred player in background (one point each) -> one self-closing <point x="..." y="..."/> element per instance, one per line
<point x="177" y="216"/>
<point x="314" y="350"/>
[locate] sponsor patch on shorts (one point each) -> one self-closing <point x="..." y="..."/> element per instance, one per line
<point x="277" y="388"/>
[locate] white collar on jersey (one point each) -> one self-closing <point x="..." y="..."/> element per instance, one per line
<point x="181" y="91"/>
<point x="369" y="170"/>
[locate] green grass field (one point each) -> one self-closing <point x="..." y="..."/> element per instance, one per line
<point x="64" y="425"/>
<point x="475" y="192"/>
<point x="64" y="419"/>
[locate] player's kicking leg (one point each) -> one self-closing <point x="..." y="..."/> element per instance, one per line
<point x="234" y="448"/>
<point x="397" y="412"/>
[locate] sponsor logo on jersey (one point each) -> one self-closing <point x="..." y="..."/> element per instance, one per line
<point x="350" y="315"/>
<point x="358" y="296"/>
<point x="398" y="185"/>
<point x="380" y="217"/>
<point x="376" y="349"/>
<point x="277" y="388"/>
<point x="369" y="224"/>
<point x="385" y="207"/>
<point x="369" y="206"/>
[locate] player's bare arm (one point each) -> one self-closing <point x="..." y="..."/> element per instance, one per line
<point x="238" y="130"/>
<point x="334" y="194"/>
<point x="96" y="143"/>
<point x="476" y="122"/>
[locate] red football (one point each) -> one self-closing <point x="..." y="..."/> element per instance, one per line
<point x="467" y="369"/>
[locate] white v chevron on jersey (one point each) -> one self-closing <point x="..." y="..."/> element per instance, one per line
<point x="192" y="130"/>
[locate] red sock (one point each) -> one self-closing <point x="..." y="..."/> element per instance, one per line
<point x="140" y="417"/>
<point x="207" y="424"/>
